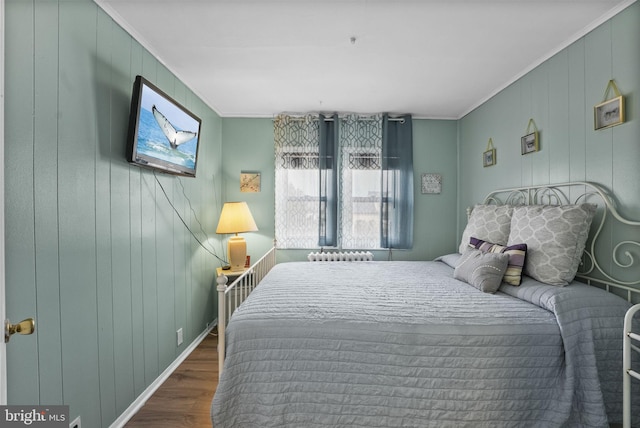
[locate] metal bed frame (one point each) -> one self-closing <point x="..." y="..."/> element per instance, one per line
<point x="592" y="270"/>
<point x="231" y="296"/>
<point x="617" y="272"/>
<point x="628" y="372"/>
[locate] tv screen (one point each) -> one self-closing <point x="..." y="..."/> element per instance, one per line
<point x="163" y="134"/>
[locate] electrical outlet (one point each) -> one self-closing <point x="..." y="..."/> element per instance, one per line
<point x="76" y="423"/>
<point x="179" y="335"/>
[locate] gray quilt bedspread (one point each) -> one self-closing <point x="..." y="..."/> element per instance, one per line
<point x="403" y="344"/>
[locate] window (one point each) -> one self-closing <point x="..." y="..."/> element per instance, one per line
<point x="330" y="183"/>
<point x="297" y="181"/>
<point x="360" y="182"/>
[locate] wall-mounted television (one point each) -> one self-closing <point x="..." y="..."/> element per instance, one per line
<point x="163" y="134"/>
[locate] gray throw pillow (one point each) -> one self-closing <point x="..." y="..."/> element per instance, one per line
<point x="490" y="223"/>
<point x="555" y="238"/>
<point x="482" y="270"/>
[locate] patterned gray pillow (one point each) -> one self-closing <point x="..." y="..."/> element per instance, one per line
<point x="555" y="238"/>
<point x="482" y="270"/>
<point x="490" y="223"/>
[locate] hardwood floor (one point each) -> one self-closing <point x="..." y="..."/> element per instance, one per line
<point x="184" y="399"/>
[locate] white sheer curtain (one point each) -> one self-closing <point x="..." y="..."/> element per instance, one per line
<point x="361" y="181"/>
<point x="297" y="181"/>
<point x="374" y="204"/>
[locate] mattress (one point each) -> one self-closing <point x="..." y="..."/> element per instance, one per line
<point x="390" y="344"/>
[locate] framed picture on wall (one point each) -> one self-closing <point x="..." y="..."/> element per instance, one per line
<point x="489" y="155"/>
<point x="489" y="158"/>
<point x="609" y="113"/>
<point x="529" y="143"/>
<point x="249" y="182"/>
<point x="431" y="183"/>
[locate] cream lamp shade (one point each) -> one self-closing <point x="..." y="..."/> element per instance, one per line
<point x="236" y="218"/>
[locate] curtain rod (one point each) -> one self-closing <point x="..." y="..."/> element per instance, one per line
<point x="391" y="119"/>
<point x="330" y="119"/>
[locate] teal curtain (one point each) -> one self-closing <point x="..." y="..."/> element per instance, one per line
<point x="397" y="183"/>
<point x="328" y="218"/>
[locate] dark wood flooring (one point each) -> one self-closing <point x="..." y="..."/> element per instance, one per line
<point x="184" y="399"/>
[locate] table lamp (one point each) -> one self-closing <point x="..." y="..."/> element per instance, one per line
<point x="236" y="218"/>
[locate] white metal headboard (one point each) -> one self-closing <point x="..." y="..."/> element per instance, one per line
<point x="610" y="259"/>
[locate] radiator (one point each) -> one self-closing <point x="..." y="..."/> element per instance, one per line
<point x="341" y="256"/>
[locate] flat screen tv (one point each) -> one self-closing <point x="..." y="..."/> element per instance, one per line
<point x="163" y="134"/>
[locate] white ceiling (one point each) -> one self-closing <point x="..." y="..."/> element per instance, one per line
<point x="431" y="58"/>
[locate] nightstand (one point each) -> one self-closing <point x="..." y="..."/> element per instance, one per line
<point x="232" y="275"/>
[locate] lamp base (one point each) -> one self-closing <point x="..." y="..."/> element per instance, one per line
<point x="237" y="253"/>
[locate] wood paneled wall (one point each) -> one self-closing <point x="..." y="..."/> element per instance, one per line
<point x="560" y="95"/>
<point x="95" y="252"/>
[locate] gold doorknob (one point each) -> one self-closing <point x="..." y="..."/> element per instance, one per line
<point x="27" y="326"/>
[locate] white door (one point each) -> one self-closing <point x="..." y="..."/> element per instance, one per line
<point x="3" y="347"/>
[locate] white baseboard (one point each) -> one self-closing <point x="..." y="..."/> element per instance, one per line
<point x="152" y="388"/>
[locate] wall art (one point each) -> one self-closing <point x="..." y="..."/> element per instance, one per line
<point x="489" y="155"/>
<point x="609" y="112"/>
<point x="431" y="183"/>
<point x="529" y="143"/>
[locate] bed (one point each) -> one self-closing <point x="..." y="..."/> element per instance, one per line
<point x="437" y="343"/>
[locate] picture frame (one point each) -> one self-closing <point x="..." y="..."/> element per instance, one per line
<point x="529" y="143"/>
<point x="489" y="158"/>
<point x="249" y="182"/>
<point x="431" y="183"/>
<point x="608" y="113"/>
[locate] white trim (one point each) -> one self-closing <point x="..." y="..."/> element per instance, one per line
<point x="153" y="387"/>
<point x="3" y="347"/>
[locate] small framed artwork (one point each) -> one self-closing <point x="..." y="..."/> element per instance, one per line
<point x="431" y="183"/>
<point x="529" y="143"/>
<point x="489" y="158"/>
<point x="249" y="182"/>
<point x="489" y="155"/>
<point x="608" y="113"/>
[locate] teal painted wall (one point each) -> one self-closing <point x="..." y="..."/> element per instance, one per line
<point x="559" y="95"/>
<point x="248" y="145"/>
<point x="96" y="254"/>
<point x="93" y="249"/>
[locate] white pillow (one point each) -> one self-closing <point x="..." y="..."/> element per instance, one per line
<point x="490" y="223"/>
<point x="555" y="238"/>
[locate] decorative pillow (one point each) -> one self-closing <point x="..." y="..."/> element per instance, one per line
<point x="482" y="270"/>
<point x="555" y="238"/>
<point x="517" y="254"/>
<point x="488" y="222"/>
<point x="450" y="260"/>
